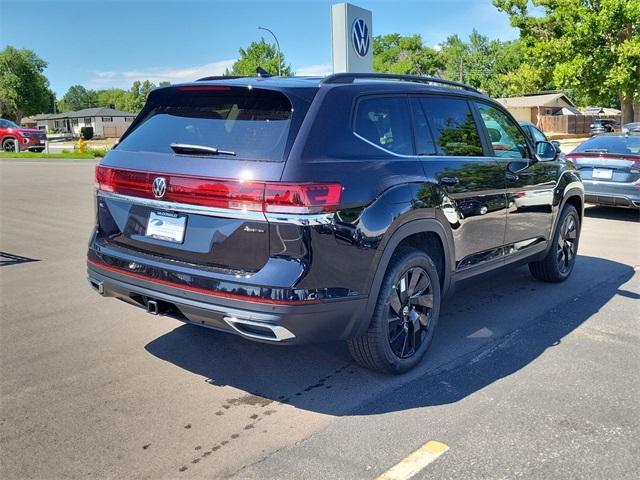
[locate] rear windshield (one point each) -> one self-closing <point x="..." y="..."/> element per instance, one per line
<point x="251" y="124"/>
<point x="622" y="145"/>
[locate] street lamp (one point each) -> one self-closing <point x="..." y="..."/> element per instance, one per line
<point x="277" y="45"/>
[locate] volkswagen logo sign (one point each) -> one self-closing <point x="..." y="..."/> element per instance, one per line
<point x="360" y="37"/>
<point x="159" y="187"/>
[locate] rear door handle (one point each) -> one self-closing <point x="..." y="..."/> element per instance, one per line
<point x="449" y="181"/>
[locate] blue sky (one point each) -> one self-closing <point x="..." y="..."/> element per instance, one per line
<point x="111" y="43"/>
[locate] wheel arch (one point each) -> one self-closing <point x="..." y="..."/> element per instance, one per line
<point x="426" y="234"/>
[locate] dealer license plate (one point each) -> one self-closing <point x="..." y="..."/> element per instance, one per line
<point x="602" y="173"/>
<point x="166" y="226"/>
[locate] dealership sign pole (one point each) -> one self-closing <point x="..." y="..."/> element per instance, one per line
<point x="351" y="38"/>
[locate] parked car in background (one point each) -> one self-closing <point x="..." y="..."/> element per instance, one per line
<point x="610" y="169"/>
<point x="15" y="138"/>
<point x="536" y="135"/>
<point x="631" y="127"/>
<point x="605" y="125"/>
<point x="225" y="206"/>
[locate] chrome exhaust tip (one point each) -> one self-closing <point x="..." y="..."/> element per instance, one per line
<point x="259" y="330"/>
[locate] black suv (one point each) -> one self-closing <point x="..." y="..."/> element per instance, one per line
<point x="305" y="209"/>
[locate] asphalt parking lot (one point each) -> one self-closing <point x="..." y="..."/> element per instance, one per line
<point x="525" y="379"/>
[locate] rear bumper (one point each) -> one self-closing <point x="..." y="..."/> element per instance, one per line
<point x="329" y="320"/>
<point x="612" y="194"/>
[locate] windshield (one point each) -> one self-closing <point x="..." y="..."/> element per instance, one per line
<point x="251" y="124"/>
<point x="622" y="145"/>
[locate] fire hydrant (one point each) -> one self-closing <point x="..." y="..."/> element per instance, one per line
<point x="81" y="145"/>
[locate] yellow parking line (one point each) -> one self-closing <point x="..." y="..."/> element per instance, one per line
<point x="415" y="462"/>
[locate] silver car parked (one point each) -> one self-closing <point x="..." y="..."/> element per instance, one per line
<point x="609" y="165"/>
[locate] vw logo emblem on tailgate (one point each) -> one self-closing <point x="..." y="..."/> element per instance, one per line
<point x="360" y="37"/>
<point x="159" y="187"/>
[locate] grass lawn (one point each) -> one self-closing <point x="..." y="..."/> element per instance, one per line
<point x="65" y="154"/>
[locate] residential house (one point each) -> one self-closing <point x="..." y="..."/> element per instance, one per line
<point x="531" y="107"/>
<point x="106" y="122"/>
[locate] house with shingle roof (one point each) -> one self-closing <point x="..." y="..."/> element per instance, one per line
<point x="106" y="122"/>
<point x="530" y="107"/>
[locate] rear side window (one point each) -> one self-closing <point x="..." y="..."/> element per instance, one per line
<point x="453" y="127"/>
<point x="252" y="123"/>
<point x="384" y="122"/>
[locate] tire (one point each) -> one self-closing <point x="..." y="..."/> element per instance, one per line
<point x="559" y="262"/>
<point x="9" y="145"/>
<point x="408" y="305"/>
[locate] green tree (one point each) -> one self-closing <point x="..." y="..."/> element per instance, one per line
<point x="588" y="47"/>
<point x="137" y="95"/>
<point x="112" y="96"/>
<point x="24" y="90"/>
<point x="482" y="63"/>
<point x="395" y="53"/>
<point x="259" y="54"/>
<point x="77" y="98"/>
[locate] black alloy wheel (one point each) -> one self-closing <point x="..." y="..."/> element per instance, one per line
<point x="566" y="247"/>
<point x="9" y="145"/>
<point x="410" y="311"/>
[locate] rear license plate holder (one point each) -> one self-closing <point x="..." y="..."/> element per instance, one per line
<point x="166" y="226"/>
<point x="602" y="173"/>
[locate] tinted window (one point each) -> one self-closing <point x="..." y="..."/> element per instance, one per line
<point x="506" y="138"/>
<point x="424" y="139"/>
<point x="384" y="121"/>
<point x="625" y="145"/>
<point x="453" y="127"/>
<point x="538" y="136"/>
<point x="252" y="123"/>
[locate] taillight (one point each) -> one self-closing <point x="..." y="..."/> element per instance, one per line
<point x="302" y="198"/>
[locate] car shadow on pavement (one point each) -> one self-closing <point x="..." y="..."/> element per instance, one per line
<point x="487" y="331"/>
<point x="612" y="213"/>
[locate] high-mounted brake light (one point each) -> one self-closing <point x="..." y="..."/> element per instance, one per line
<point x="204" y="88"/>
<point x="302" y="198"/>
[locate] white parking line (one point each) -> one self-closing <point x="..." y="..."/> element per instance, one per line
<point x="415" y="462"/>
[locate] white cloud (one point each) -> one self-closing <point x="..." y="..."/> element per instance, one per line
<point x="157" y="75"/>
<point x="319" y="70"/>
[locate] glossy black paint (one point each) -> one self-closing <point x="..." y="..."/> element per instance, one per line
<point x="486" y="218"/>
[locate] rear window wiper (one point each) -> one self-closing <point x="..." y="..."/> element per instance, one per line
<point x="187" y="149"/>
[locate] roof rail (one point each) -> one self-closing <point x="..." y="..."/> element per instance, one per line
<point x="351" y="77"/>
<point x="220" y="77"/>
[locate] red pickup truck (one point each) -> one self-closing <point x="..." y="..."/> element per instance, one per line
<point x="14" y="137"/>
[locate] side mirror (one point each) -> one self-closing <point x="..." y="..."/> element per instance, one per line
<point x="546" y="151"/>
<point x="556" y="144"/>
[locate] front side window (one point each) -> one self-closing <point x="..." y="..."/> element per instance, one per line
<point x="506" y="138"/>
<point x="538" y="136"/>
<point x="453" y="127"/>
<point x="384" y="122"/>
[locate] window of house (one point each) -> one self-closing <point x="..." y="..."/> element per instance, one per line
<point x="385" y="122"/>
<point x="87" y="121"/>
<point x="107" y="119"/>
<point x="128" y="119"/>
<point x="453" y="127"/>
<point x="74" y="121"/>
